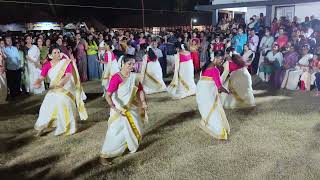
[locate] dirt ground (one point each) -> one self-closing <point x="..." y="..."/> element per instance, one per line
<point x="278" y="139"/>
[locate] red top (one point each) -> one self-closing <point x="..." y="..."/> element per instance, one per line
<point x="115" y="81"/>
<point x="233" y="66"/>
<point x="217" y="47"/>
<point x="106" y="57"/>
<point x="47" y="66"/>
<point x="282" y="41"/>
<point x="213" y="73"/>
<point x="184" y="58"/>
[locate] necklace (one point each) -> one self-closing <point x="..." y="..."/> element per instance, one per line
<point x="123" y="76"/>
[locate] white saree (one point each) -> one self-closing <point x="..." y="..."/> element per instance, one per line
<point x="60" y="107"/>
<point x="292" y="76"/>
<point x="151" y="75"/>
<point x="214" y="120"/>
<point x="239" y="84"/>
<point x="3" y="84"/>
<point x="3" y="88"/>
<point x="33" y="71"/>
<point x="124" y="131"/>
<point x="111" y="68"/>
<point x="182" y="84"/>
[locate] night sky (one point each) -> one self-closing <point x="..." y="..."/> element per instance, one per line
<point x="11" y="12"/>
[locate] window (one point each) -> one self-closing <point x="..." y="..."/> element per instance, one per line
<point x="285" y="11"/>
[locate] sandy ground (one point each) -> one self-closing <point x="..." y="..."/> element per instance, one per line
<point x="278" y="139"/>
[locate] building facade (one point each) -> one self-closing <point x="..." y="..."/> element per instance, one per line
<point x="270" y="8"/>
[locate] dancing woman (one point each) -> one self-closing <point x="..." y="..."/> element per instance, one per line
<point x="214" y="120"/>
<point x="152" y="73"/>
<point x="63" y="101"/>
<point x="3" y="80"/>
<point x="126" y="98"/>
<point x="182" y="84"/>
<point x="111" y="66"/>
<point x="237" y="79"/>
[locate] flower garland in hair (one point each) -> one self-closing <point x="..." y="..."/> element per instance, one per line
<point x="182" y="47"/>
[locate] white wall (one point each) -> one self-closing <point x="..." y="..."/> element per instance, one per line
<point x="307" y="9"/>
<point x="254" y="11"/>
<point x="232" y="1"/>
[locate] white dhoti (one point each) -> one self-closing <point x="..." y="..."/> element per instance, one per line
<point x="182" y="84"/>
<point x="59" y="107"/>
<point x="124" y="131"/>
<point x="240" y="85"/>
<point x="152" y="79"/>
<point x="3" y="88"/>
<point x="213" y="118"/>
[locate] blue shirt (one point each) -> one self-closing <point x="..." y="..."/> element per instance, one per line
<point x="13" y="57"/>
<point x="239" y="41"/>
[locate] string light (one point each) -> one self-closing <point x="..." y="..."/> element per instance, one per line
<point x="96" y="7"/>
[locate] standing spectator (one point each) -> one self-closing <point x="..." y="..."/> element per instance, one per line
<point x="63" y="48"/>
<point x="12" y="60"/>
<point x="32" y="53"/>
<point x="253" y="40"/>
<point x="170" y="41"/>
<point x="131" y="50"/>
<point x="253" y="45"/>
<point x="194" y="47"/>
<point x="44" y="50"/>
<point x="262" y="21"/>
<point x="204" y="51"/>
<point x="163" y="60"/>
<point x="274" y="26"/>
<point x="239" y="41"/>
<point x="265" y="45"/>
<point x="80" y="49"/>
<point x="93" y="63"/>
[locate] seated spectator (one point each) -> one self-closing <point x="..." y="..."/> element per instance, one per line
<point x="272" y="62"/>
<point x="292" y="77"/>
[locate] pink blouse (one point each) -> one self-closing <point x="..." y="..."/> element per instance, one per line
<point x="233" y="66"/>
<point x="184" y="58"/>
<point x="106" y="57"/>
<point x="47" y="66"/>
<point x="115" y="81"/>
<point x="213" y="73"/>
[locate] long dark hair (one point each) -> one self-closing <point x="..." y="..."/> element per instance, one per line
<point x="237" y="59"/>
<point x="53" y="46"/>
<point x="179" y="45"/>
<point x="151" y="55"/>
<point x="109" y="43"/>
<point x="208" y="62"/>
<point x="127" y="58"/>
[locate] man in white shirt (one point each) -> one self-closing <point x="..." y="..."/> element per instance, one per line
<point x="253" y="46"/>
<point x="253" y="40"/>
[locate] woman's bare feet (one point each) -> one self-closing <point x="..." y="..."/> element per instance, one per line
<point x="105" y="161"/>
<point x="317" y="94"/>
<point x="39" y="133"/>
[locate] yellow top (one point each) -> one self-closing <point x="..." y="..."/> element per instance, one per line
<point x="92" y="48"/>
